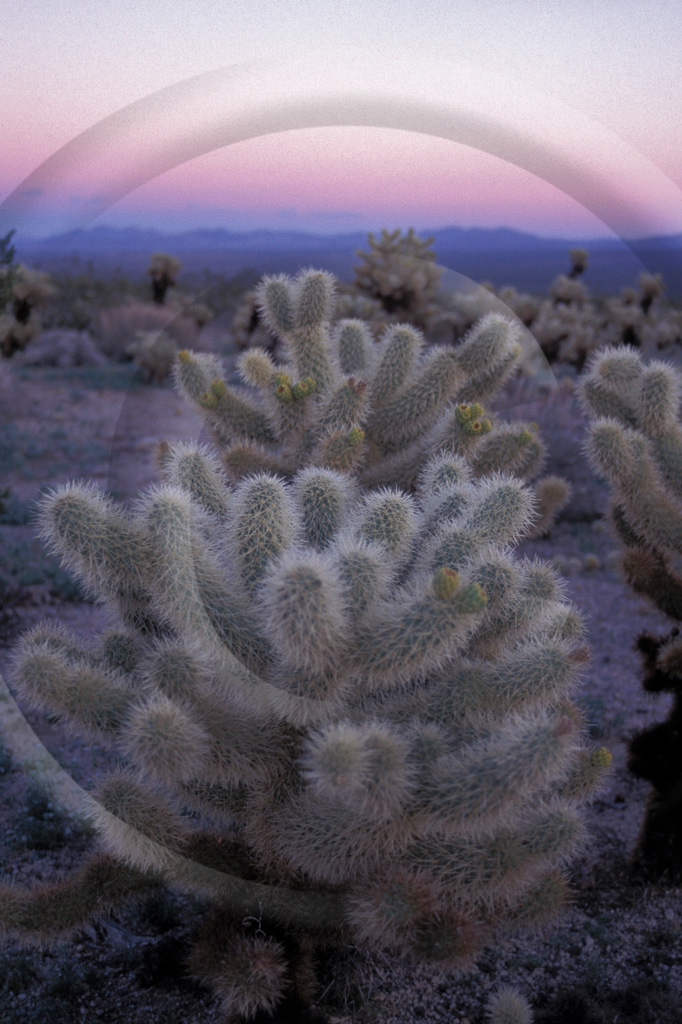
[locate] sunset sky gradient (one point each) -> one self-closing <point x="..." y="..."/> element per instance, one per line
<point x="560" y="119"/>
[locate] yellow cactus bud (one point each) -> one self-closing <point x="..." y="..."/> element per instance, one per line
<point x="184" y="356"/>
<point x="208" y="400"/>
<point x="445" y="583"/>
<point x="219" y="387"/>
<point x="601" y="758"/>
<point x="472" y="599"/>
<point x="283" y="387"/>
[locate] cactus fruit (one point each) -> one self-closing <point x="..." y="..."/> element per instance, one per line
<point x="635" y="442"/>
<point x="343" y="403"/>
<point x="345" y="713"/>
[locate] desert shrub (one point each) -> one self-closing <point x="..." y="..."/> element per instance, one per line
<point x="117" y="327"/>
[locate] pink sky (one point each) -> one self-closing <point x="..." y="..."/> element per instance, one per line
<point x="338" y="179"/>
<point x="549" y="140"/>
<point x="343" y="178"/>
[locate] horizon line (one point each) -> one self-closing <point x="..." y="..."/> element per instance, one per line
<point x="331" y="234"/>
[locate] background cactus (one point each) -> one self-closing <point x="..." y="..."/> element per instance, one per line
<point x="163" y="270"/>
<point x="569" y="324"/>
<point x="635" y="442"/>
<point x="155" y="353"/>
<point x="572" y="323"/>
<point x="22" y="292"/>
<point x="400" y="271"/>
<point x="340" y="401"/>
<point x="343" y="712"/>
<point x="398" y="279"/>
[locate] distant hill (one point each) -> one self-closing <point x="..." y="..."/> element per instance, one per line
<point x="500" y="255"/>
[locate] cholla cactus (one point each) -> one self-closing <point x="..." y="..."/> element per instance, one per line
<point x="636" y="444"/>
<point x="509" y="1006"/>
<point x="155" y="353"/>
<point x="353" y="305"/>
<point x="163" y="270"/>
<point x="342" y="403"/>
<point x="578" y="258"/>
<point x="28" y="290"/>
<point x="568" y="289"/>
<point x="199" y="312"/>
<point x="247" y="327"/>
<point x="650" y="286"/>
<point x="526" y="307"/>
<point x="400" y="271"/>
<point x="344" y="714"/>
<point x="572" y="324"/>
